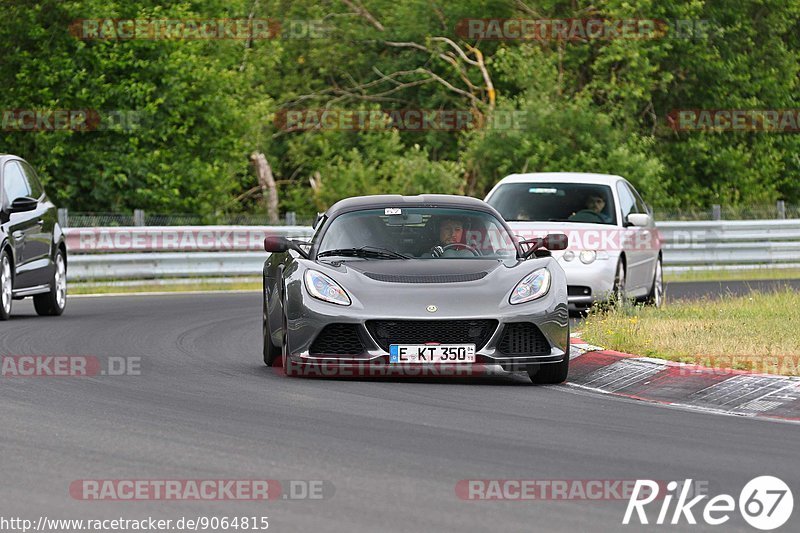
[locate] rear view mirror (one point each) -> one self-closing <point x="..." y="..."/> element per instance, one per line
<point x="277" y="244"/>
<point x="556" y="241"/>
<point x="23" y="204"/>
<point x="412" y="219"/>
<point x="639" y="219"/>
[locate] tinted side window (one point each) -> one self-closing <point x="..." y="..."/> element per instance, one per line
<point x="33" y="180"/>
<point x="627" y="204"/>
<point x="14" y="183"/>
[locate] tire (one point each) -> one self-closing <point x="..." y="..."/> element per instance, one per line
<point x="551" y="373"/>
<point x="272" y="353"/>
<point x="6" y="286"/>
<point x="656" y="296"/>
<point x="618" y="292"/>
<point x="289" y="368"/>
<point x="53" y="302"/>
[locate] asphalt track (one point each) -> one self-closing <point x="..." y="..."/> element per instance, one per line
<point x="205" y="407"/>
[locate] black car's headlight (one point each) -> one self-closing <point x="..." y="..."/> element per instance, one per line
<point x="533" y="286"/>
<point x="324" y="288"/>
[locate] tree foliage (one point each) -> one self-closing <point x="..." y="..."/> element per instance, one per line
<point x="589" y="105"/>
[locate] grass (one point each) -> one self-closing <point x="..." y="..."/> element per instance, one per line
<point x="163" y="286"/>
<point x="733" y="275"/>
<point x="759" y="332"/>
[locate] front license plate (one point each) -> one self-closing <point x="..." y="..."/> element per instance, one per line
<point x="432" y="353"/>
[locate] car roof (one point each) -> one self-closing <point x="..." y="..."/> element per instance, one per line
<point x="562" y="177"/>
<point x="396" y="200"/>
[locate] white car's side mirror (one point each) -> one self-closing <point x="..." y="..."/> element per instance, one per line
<point x="639" y="219"/>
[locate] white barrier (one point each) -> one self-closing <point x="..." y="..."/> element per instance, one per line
<point x="145" y="252"/>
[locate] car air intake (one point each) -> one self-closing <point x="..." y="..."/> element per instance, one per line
<point x="337" y="339"/>
<point x="386" y="332"/>
<point x="421" y="278"/>
<point x="523" y="338"/>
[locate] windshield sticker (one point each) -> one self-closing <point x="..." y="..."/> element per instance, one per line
<point x="393" y="211"/>
<point x="542" y="190"/>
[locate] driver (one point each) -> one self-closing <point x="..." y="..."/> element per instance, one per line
<point x="451" y="239"/>
<point x="593" y="211"/>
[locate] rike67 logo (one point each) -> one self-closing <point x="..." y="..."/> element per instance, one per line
<point x="765" y="503"/>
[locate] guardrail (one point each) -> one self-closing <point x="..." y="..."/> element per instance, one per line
<point x="145" y="252"/>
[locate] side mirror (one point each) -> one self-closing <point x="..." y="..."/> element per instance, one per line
<point x="556" y="241"/>
<point x="553" y="241"/>
<point x="277" y="245"/>
<point x="23" y="203"/>
<point x="639" y="219"/>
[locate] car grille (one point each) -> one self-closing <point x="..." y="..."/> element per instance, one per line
<point x="523" y="338"/>
<point x="386" y="332"/>
<point x="578" y="290"/>
<point x="337" y="339"/>
<point x="420" y="278"/>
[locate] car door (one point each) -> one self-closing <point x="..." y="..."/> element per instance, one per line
<point x="638" y="259"/>
<point x="39" y="243"/>
<point x="22" y="227"/>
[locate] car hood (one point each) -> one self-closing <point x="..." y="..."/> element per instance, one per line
<point x="581" y="235"/>
<point x="457" y="287"/>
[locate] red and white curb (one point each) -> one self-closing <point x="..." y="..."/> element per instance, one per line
<point x="718" y="390"/>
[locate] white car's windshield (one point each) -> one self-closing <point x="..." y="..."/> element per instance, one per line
<point x="417" y="233"/>
<point x="555" y="202"/>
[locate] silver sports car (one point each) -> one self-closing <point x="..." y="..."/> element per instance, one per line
<point x="408" y="284"/>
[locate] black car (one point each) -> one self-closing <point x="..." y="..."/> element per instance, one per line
<point x="33" y="255"/>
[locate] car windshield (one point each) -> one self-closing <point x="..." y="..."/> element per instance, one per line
<point x="555" y="202"/>
<point x="417" y="233"/>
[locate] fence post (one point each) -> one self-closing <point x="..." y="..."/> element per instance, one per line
<point x="291" y="218"/>
<point x="716" y="212"/>
<point x="63" y="217"/>
<point x="138" y="217"/>
<point x="781" y="209"/>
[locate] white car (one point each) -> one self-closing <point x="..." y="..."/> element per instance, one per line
<point x="614" y="248"/>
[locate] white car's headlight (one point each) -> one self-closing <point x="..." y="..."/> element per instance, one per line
<point x="588" y="256"/>
<point x="569" y="255"/>
<point x="324" y="288"/>
<point x="533" y="286"/>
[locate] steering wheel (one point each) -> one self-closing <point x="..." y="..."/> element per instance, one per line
<point x="461" y="245"/>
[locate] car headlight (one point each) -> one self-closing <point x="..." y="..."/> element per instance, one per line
<point x="569" y="255"/>
<point x="533" y="286"/>
<point x="588" y="256"/>
<point x="324" y="288"/>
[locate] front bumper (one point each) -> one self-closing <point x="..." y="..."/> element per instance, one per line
<point x="597" y="277"/>
<point x="307" y="322"/>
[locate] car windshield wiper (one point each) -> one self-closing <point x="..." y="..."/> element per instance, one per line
<point x="365" y="251"/>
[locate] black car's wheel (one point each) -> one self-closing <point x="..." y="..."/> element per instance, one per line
<point x="291" y="369"/>
<point x="271" y="352"/>
<point x="656" y="296"/>
<point x="6" y="286"/>
<point x="550" y="373"/>
<point x="54" y="302"/>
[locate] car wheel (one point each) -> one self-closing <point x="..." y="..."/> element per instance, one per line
<point x="53" y="302"/>
<point x="291" y="369"/>
<point x="551" y="373"/>
<point x="6" y="286"/>
<point x="618" y="293"/>
<point x="271" y="352"/>
<point x="656" y="296"/>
